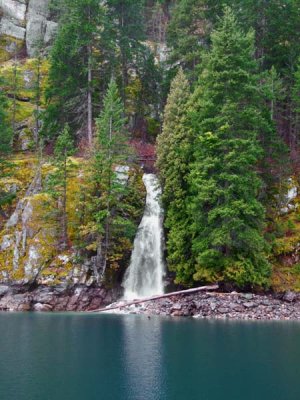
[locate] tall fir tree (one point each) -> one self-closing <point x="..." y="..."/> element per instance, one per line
<point x="5" y="146"/>
<point x="188" y="33"/>
<point x="173" y="157"/>
<point x="278" y="46"/>
<point x="296" y="101"/>
<point x="134" y="67"/>
<point x="5" y="130"/>
<point x="128" y="33"/>
<point x="58" y="180"/>
<point x="227" y="232"/>
<point x="111" y="153"/>
<point x="70" y="90"/>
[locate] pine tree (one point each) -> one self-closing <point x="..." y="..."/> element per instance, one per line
<point x="110" y="155"/>
<point x="275" y="164"/>
<point x="189" y="31"/>
<point x="173" y="156"/>
<point x="227" y="233"/>
<point x="134" y="67"/>
<point x="128" y="33"/>
<point x="5" y="146"/>
<point x="5" y="130"/>
<point x="70" y="91"/>
<point x="58" y="180"/>
<point x="278" y="46"/>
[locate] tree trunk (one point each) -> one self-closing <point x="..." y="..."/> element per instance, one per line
<point x="90" y="111"/>
<point x="14" y="106"/>
<point x="64" y="209"/>
<point x="89" y="100"/>
<point x="154" y="298"/>
<point x="38" y="102"/>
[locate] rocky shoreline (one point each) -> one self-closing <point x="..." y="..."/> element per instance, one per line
<point x="235" y="306"/>
<point x="55" y="298"/>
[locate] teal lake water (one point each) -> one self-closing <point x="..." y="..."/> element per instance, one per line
<point x="115" y="357"/>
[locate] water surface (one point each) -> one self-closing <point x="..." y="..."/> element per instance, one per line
<point x="126" y="357"/>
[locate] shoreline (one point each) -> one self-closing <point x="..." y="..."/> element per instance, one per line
<point x="206" y="305"/>
<point x="231" y="306"/>
<point x="55" y="298"/>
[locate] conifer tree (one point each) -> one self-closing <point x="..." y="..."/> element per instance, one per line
<point x="128" y="33"/>
<point x="188" y="33"/>
<point x="227" y="232"/>
<point x="296" y="102"/>
<point x="274" y="165"/>
<point x="5" y="145"/>
<point x="173" y="156"/>
<point x="5" y="130"/>
<point x="278" y="46"/>
<point x="111" y="152"/>
<point x="58" y="180"/>
<point x="70" y="91"/>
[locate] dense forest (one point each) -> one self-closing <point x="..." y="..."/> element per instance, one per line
<point x="205" y="93"/>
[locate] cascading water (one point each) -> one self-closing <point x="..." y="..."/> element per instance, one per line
<point x="145" y="274"/>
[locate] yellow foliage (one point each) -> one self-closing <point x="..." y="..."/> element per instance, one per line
<point x="6" y="43"/>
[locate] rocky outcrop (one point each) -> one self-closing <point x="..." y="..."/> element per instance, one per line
<point x="38" y="26"/>
<point x="55" y="298"/>
<point x="27" y="21"/>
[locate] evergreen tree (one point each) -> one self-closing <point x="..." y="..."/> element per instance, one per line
<point x="189" y="31"/>
<point x="5" y="145"/>
<point x="277" y="46"/>
<point x="108" y="188"/>
<point x="274" y="165"/>
<point x="133" y="64"/>
<point x="173" y="157"/>
<point x="296" y="109"/>
<point x="227" y="233"/>
<point x="58" y="180"/>
<point x="70" y="91"/>
<point x="5" y="130"/>
<point x="128" y="33"/>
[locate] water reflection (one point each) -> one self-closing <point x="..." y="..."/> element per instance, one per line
<point x="143" y="364"/>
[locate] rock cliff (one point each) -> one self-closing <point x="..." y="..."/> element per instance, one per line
<point x="25" y="23"/>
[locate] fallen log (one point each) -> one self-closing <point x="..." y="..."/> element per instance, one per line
<point x="154" y="298"/>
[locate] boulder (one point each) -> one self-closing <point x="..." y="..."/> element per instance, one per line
<point x="290" y="297"/>
<point x="10" y="28"/>
<point x="14" y="9"/>
<point x="177" y="307"/>
<point x="40" y="307"/>
<point x="248" y="296"/>
<point x="3" y="290"/>
<point x="249" y="304"/>
<point x="223" y="310"/>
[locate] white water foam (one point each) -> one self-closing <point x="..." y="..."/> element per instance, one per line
<point x="145" y="274"/>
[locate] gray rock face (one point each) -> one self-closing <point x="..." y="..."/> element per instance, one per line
<point x="58" y="298"/>
<point x="14" y="9"/>
<point x="27" y="20"/>
<point x="36" y="26"/>
<point x="10" y="28"/>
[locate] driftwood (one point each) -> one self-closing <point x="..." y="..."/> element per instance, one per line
<point x="153" y="298"/>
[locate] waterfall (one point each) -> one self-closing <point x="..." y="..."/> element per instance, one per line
<point x="144" y="276"/>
